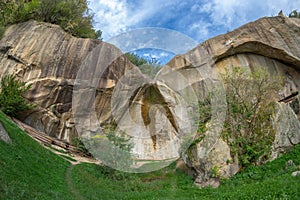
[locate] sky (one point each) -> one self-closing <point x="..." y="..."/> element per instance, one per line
<point x="197" y="19"/>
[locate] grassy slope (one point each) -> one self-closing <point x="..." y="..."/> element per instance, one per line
<point x="28" y="171"/>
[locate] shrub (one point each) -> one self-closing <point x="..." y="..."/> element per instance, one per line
<point x="248" y="126"/>
<point x="80" y="147"/>
<point x="11" y="96"/>
<point x="72" y="15"/>
<point x="147" y="67"/>
<point x="294" y="14"/>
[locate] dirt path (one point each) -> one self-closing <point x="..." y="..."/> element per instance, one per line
<point x="70" y="183"/>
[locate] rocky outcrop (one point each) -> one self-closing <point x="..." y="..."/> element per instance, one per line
<point x="4" y="135"/>
<point x="273" y="43"/>
<point x="287" y="128"/>
<point x="158" y="113"/>
<point x="45" y="56"/>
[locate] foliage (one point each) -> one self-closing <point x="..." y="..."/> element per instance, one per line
<point x="215" y="172"/>
<point x="29" y="171"/>
<point x="147" y="67"/>
<point x="80" y="147"/>
<point x="294" y="14"/>
<point x="11" y="96"/>
<point x="136" y="60"/>
<point x="248" y="127"/>
<point x="113" y="148"/>
<point x="72" y="15"/>
<point x="204" y="109"/>
<point x="121" y="147"/>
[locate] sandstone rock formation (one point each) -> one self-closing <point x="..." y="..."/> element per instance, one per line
<point x="156" y="113"/>
<point x="273" y="43"/>
<point x="45" y="56"/>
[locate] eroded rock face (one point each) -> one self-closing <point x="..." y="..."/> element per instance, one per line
<point x="45" y="56"/>
<point x="287" y="128"/>
<point x="157" y="112"/>
<point x="273" y="43"/>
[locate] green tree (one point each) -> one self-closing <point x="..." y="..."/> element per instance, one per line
<point x="294" y="14"/>
<point x="72" y="15"/>
<point x="11" y="96"/>
<point x="250" y="99"/>
<point x="136" y="60"/>
<point x="248" y="125"/>
<point x="148" y="67"/>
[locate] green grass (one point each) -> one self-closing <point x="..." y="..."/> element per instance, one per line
<point x="29" y="171"/>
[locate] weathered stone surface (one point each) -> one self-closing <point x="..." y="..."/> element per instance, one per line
<point x="4" y="135"/>
<point x="296" y="173"/>
<point x="211" y="166"/>
<point x="287" y="127"/>
<point x="273" y="43"/>
<point x="45" y="56"/>
<point x="155" y="113"/>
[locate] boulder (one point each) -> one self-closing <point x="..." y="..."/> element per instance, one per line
<point x="287" y="128"/>
<point x="4" y="135"/>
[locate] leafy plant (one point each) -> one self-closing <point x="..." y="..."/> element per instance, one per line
<point x="77" y="142"/>
<point x="2" y="31"/>
<point x="72" y="15"/>
<point x="215" y="172"/>
<point x="147" y="67"/>
<point x="136" y="60"/>
<point x="113" y="148"/>
<point x="248" y="127"/>
<point x="11" y="96"/>
<point x="294" y="14"/>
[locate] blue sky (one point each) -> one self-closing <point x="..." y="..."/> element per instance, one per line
<point x="198" y="19"/>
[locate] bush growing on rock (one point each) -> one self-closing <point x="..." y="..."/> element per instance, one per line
<point x="248" y="128"/>
<point x="11" y="96"/>
<point x="294" y="14"/>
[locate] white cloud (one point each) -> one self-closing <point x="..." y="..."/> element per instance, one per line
<point x="201" y="28"/>
<point x="116" y="16"/>
<point x="232" y="13"/>
<point x="164" y="54"/>
<point x="200" y="19"/>
<point x="110" y="16"/>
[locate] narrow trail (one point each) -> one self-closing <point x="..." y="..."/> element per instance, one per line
<point x="62" y="149"/>
<point x="70" y="184"/>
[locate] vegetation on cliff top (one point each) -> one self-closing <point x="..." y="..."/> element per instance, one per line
<point x="294" y="14"/>
<point x="147" y="67"/>
<point x="72" y="15"/>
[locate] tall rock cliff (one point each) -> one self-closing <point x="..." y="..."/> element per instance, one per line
<point x="45" y="56"/>
<point x="272" y="43"/>
<point x="50" y="59"/>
